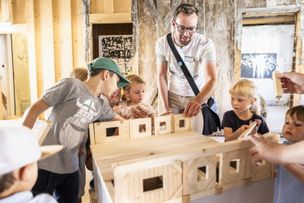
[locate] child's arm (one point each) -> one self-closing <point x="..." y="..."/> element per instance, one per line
<point x="230" y="135"/>
<point x="35" y="110"/>
<point x="117" y="117"/>
<point x="296" y="170"/>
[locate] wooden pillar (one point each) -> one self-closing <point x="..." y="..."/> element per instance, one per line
<point x="296" y="98"/>
<point x="47" y="45"/>
<point x="63" y="38"/>
<point x="108" y="6"/>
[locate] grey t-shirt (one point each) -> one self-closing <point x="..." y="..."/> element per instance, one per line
<point x="74" y="108"/>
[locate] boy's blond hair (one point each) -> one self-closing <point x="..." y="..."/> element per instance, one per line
<point x="297" y="111"/>
<point x="80" y="73"/>
<point x="245" y="88"/>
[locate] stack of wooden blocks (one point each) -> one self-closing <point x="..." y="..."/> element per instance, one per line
<point x="165" y="161"/>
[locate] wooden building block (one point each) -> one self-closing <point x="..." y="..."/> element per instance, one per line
<point x="199" y="175"/>
<point x="103" y="189"/>
<point x="278" y="91"/>
<point x="234" y="168"/>
<point x="248" y="131"/>
<point x="110" y="131"/>
<point x="263" y="171"/>
<point x="162" y="124"/>
<point x="181" y="123"/>
<point x="158" y="183"/>
<point x="92" y="134"/>
<point x="141" y="127"/>
<point x="176" y="200"/>
<point x="190" y="166"/>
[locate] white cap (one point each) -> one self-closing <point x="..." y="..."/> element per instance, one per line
<point x="19" y="147"/>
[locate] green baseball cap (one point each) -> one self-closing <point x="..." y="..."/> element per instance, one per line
<point x="107" y="64"/>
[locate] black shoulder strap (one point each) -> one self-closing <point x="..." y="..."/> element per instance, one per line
<point x="182" y="65"/>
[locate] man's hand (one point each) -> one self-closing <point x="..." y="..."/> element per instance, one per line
<point x="167" y="112"/>
<point x="192" y="108"/>
<point x="264" y="150"/>
<point x="292" y="82"/>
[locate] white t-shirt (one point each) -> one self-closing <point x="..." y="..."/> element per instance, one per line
<point x="196" y="55"/>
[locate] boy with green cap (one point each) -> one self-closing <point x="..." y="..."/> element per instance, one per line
<point x="75" y="104"/>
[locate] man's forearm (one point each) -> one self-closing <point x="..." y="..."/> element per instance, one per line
<point x="163" y="92"/>
<point x="206" y="90"/>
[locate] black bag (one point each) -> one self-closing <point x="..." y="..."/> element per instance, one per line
<point x="211" y="119"/>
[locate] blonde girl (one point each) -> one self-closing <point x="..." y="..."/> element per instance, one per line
<point x="133" y="97"/>
<point x="236" y="121"/>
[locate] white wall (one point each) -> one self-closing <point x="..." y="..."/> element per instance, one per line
<point x="277" y="39"/>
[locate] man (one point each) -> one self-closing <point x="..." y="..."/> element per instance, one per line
<point x="198" y="53"/>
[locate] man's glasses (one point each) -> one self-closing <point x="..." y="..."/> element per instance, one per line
<point x="183" y="29"/>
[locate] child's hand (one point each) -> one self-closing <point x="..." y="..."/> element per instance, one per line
<point x="243" y="128"/>
<point x="255" y="130"/>
<point x="139" y="112"/>
<point x="117" y="108"/>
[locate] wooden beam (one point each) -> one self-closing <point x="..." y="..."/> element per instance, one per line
<point x="8" y="77"/>
<point x="110" y="18"/>
<point x="122" y="6"/>
<point x="18" y="11"/>
<point x="47" y="44"/>
<point x="78" y="34"/>
<point x="6" y="14"/>
<point x="298" y="66"/>
<point x="90" y="52"/>
<point x="62" y="15"/>
<point x="7" y="28"/>
<point x="108" y="6"/>
<point x="278" y="10"/>
<point x="269" y="20"/>
<point x="237" y="64"/>
<point x="31" y="36"/>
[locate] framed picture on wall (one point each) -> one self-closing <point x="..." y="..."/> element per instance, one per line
<point x="258" y="65"/>
<point x="118" y="48"/>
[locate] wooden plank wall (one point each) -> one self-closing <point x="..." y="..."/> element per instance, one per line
<point x="56" y="34"/>
<point x="54" y="39"/>
<point x="6" y="11"/>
